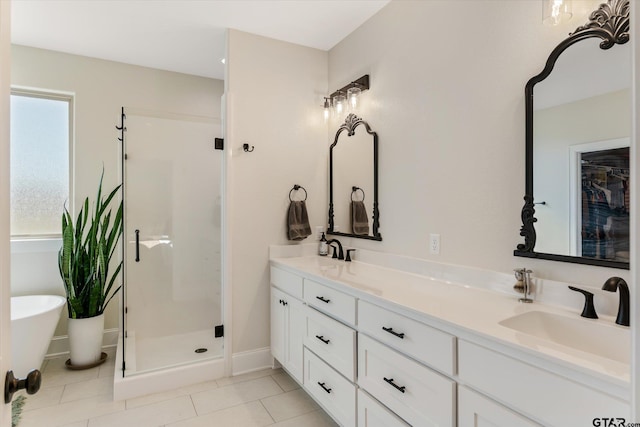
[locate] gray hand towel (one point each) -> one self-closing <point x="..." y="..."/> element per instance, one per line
<point x="298" y="221"/>
<point x="359" y="219"/>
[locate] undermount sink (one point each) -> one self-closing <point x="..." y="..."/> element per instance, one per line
<point x="591" y="336"/>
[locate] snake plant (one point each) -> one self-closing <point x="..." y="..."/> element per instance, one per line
<point x="85" y="256"/>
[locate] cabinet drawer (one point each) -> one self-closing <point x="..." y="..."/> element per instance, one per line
<point x="545" y="397"/>
<point x="335" y="303"/>
<point x="330" y="389"/>
<point x="288" y="282"/>
<point x="417" y="394"/>
<point x="424" y="343"/>
<point x="475" y="410"/>
<point x="372" y="413"/>
<point x="334" y="342"/>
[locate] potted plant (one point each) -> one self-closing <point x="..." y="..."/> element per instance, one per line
<point x="84" y="261"/>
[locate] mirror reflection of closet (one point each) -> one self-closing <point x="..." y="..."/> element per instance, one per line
<point x="603" y="204"/>
<point x="353" y="209"/>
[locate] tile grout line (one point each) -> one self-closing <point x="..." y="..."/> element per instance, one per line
<point x="195" y="410"/>
<point x="268" y="413"/>
<point x="274" y="380"/>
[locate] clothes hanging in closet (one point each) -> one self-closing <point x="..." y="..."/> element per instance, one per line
<point x="605" y="218"/>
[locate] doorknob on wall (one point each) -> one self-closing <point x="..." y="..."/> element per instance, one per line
<point x="12" y="384"/>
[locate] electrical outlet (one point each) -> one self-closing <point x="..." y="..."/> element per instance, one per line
<point x="434" y="244"/>
<point x="319" y="231"/>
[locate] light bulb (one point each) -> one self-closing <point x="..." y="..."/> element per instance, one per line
<point x="327" y="109"/>
<point x="338" y="103"/>
<point x="352" y="96"/>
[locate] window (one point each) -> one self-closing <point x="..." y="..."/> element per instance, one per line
<point x="40" y="162"/>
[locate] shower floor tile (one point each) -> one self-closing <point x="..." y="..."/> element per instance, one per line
<point x="264" y="398"/>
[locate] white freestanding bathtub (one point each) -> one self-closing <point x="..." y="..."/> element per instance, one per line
<point x="33" y="321"/>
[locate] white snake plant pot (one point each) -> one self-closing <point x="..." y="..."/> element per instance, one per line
<point x="85" y="340"/>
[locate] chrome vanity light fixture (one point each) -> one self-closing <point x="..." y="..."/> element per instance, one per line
<point x="346" y="98"/>
<point x="555" y="12"/>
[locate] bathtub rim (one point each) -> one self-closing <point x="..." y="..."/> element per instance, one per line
<point x="58" y="299"/>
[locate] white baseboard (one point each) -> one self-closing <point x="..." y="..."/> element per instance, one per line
<point x="60" y="345"/>
<point x="253" y="360"/>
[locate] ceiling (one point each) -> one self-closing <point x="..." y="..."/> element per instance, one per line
<point x="186" y="36"/>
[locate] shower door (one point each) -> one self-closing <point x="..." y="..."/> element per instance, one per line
<point x="172" y="186"/>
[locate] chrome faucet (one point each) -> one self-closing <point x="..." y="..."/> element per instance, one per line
<point x="340" y="254"/>
<point x="618" y="284"/>
<point x="523" y="284"/>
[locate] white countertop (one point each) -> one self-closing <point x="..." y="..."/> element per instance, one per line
<point x="462" y="310"/>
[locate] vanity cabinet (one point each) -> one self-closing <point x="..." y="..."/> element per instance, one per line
<point x="287" y="316"/>
<point x="370" y="363"/>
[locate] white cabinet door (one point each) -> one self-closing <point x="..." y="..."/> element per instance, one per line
<point x="475" y="410"/>
<point x="278" y="325"/>
<point x="287" y="331"/>
<point x="295" y="331"/>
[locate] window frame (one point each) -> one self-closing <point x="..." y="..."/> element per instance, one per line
<point x="68" y="97"/>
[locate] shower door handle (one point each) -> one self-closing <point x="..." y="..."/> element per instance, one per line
<point x="137" y="245"/>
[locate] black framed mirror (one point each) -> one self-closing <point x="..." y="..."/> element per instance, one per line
<point x="353" y="181"/>
<point x="578" y="128"/>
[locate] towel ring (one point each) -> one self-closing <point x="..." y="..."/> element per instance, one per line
<point x="354" y="189"/>
<point x="297" y="187"/>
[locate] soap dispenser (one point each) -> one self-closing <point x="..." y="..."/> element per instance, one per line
<point x="323" y="247"/>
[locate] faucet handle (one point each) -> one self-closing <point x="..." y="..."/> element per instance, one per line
<point x="335" y="252"/>
<point x="589" y="311"/>
<point x="348" y="257"/>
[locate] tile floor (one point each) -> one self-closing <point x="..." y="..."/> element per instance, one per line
<point x="85" y="399"/>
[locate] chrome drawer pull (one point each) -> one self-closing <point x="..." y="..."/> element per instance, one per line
<point x="321" y="338"/>
<point x="328" y="390"/>
<point x="392" y="332"/>
<point x="323" y="300"/>
<point x="396" y="386"/>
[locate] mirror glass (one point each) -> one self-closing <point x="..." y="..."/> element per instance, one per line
<point x="578" y="123"/>
<point x="353" y="181"/>
<point x="581" y="135"/>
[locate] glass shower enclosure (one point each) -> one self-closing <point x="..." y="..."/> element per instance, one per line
<point x="172" y="295"/>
